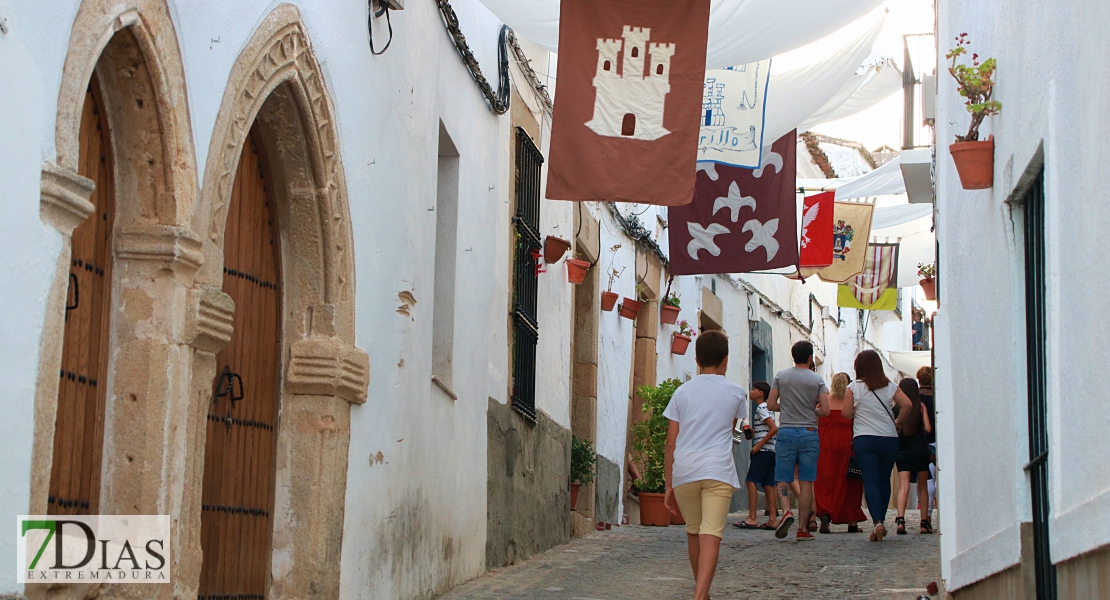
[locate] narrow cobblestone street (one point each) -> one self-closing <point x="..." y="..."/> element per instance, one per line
<point x="637" y="563"/>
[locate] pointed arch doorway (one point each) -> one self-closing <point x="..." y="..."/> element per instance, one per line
<point x="237" y="497"/>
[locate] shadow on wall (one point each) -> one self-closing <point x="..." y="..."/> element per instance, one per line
<point x="528" y="489"/>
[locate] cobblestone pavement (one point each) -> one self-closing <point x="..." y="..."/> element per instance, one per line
<point x="637" y="563"/>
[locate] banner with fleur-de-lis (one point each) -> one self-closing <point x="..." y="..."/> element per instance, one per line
<point x="741" y="220"/>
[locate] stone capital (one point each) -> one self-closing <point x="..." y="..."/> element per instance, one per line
<point x="177" y="248"/>
<point x="326" y="366"/>
<point x="64" y="198"/>
<point x="208" y="319"/>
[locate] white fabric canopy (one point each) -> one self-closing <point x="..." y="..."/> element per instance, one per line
<point x="910" y="362"/>
<point x="884" y="181"/>
<point x="862" y="91"/>
<point x="892" y="216"/>
<point x="740" y="31"/>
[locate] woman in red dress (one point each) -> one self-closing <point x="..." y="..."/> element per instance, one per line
<point x="839" y="497"/>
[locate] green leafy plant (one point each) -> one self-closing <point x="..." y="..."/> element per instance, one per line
<point x="976" y="84"/>
<point x="927" y="271"/>
<point x="641" y="292"/>
<point x="685" y="329"/>
<point x="671" y="300"/>
<point x="649" y="436"/>
<point x="583" y="461"/>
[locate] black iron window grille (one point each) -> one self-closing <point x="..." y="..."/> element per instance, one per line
<point x="1037" y="361"/>
<point x="526" y="267"/>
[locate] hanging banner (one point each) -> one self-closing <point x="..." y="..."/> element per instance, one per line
<point x="888" y="300"/>
<point x="816" y="240"/>
<point x="741" y="222"/>
<point x="851" y="228"/>
<point x="880" y="271"/>
<point x="733" y="110"/>
<point x="625" y="124"/>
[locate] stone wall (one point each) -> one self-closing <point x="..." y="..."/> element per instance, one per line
<point x="607" y="507"/>
<point x="528" y="485"/>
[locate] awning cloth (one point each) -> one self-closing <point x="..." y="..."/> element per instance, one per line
<point x="884" y="181"/>
<point x="740" y="31"/>
<point x="909" y="362"/>
<point x="891" y="216"/>
<point x="861" y="92"/>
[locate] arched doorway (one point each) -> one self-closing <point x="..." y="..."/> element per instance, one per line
<point x="237" y="498"/>
<point x="79" y="428"/>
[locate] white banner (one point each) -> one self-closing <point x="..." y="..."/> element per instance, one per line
<point x="734" y="107"/>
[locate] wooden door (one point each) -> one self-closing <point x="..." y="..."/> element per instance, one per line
<point x="237" y="499"/>
<point x="79" y="428"/>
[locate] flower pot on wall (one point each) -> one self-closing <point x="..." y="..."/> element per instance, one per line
<point x="554" y="248"/>
<point x="608" y="300"/>
<point x="576" y="270"/>
<point x="574" y="495"/>
<point x="929" y="286"/>
<point x="679" y="344"/>
<point x="975" y="163"/>
<point x="668" y="315"/>
<point x="652" y="510"/>
<point x="630" y="308"/>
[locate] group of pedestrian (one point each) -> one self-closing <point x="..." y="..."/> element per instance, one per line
<point x="830" y="448"/>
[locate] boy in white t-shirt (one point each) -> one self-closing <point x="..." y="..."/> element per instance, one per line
<point x="700" y="469"/>
<point x="761" y="469"/>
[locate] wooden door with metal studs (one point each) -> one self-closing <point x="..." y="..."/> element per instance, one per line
<point x="239" y="455"/>
<point x="79" y="427"/>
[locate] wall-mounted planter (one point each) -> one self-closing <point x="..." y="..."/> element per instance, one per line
<point x="652" y="510"/>
<point x="576" y="270"/>
<point x="554" y="248"/>
<point x="679" y="344"/>
<point x="608" y="301"/>
<point x="574" y="495"/>
<point x="630" y="308"/>
<point x="668" y="315"/>
<point x="929" y="286"/>
<point x="975" y="163"/>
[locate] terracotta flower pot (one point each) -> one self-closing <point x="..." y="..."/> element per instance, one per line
<point x="576" y="270"/>
<point x="608" y="300"/>
<point x="554" y="248"/>
<point x="975" y="163"/>
<point x="574" y="495"/>
<point x="929" y="286"/>
<point x="679" y="344"/>
<point x="630" y="308"/>
<point x="652" y="510"/>
<point x="668" y="315"/>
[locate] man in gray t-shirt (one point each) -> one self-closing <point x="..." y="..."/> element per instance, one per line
<point x="801" y="397"/>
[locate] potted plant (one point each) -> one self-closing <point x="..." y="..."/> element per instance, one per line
<point x="554" y="248"/>
<point x="928" y="283"/>
<point x="583" y="467"/>
<point x="974" y="159"/>
<point x="608" y="298"/>
<point x="681" y="339"/>
<point x="669" y="308"/>
<point x="649" y="443"/>
<point x="630" y="308"/>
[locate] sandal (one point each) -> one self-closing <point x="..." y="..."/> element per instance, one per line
<point x="825" y="524"/>
<point x="812" y="524"/>
<point x="853" y="529"/>
<point x="768" y="526"/>
<point x="879" y="533"/>
<point x="926" y="526"/>
<point x="901" y="522"/>
<point x="745" y="525"/>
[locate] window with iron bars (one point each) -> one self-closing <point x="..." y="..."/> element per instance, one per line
<point x="526" y="267"/>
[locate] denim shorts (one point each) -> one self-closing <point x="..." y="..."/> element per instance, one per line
<point x="797" y="446"/>
<point x="761" y="471"/>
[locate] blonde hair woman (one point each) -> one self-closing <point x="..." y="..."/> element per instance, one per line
<point x="839" y="496"/>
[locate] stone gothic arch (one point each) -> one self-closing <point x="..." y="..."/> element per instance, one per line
<point x="277" y="84"/>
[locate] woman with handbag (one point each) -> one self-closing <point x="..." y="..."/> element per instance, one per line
<point x="913" y="457"/>
<point x="869" y="401"/>
<point x="839" y="486"/>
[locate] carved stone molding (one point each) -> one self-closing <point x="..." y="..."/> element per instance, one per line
<point x="64" y="198"/>
<point x="208" y="320"/>
<point x="329" y="367"/>
<point x="179" y="248"/>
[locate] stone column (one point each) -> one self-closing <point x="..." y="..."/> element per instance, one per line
<point x="587" y="311"/>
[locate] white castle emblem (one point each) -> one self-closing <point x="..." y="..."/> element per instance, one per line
<point x="631" y="104"/>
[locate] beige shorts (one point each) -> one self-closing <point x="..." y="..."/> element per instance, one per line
<point x="704" y="505"/>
